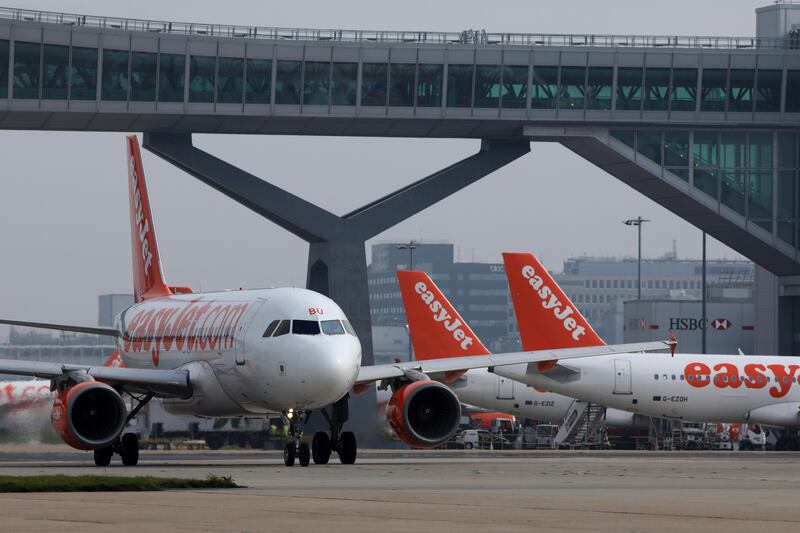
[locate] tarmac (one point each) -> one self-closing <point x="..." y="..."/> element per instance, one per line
<point x="444" y="491"/>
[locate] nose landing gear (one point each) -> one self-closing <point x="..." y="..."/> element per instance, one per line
<point x="322" y="444"/>
<point x="296" y="448"/>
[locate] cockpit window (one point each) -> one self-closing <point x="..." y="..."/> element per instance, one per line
<point x="305" y="327"/>
<point x="332" y="327"/>
<point x="348" y="328"/>
<point x="271" y="328"/>
<point x="283" y="328"/>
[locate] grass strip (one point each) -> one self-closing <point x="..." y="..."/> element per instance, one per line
<point x="90" y="483"/>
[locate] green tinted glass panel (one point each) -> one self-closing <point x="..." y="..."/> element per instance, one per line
<point x="705" y="180"/>
<point x="629" y="88"/>
<point x="682" y="173"/>
<point x="760" y="150"/>
<point x="787" y="205"/>
<point x="599" y="88"/>
<point x="731" y="189"/>
<point x="544" y="90"/>
<point x="706" y="149"/>
<point x="459" y="85"/>
<point x="572" y="91"/>
<point x="787" y="150"/>
<point x="626" y="136"/>
<point x="26" y="69"/>
<point x="740" y="94"/>
<point x="55" y="66"/>
<point x="487" y="86"/>
<point x="4" y="50"/>
<point x="230" y="80"/>
<point x="676" y="149"/>
<point x="373" y="84"/>
<point x="344" y="83"/>
<point x="401" y="84"/>
<point x="793" y="91"/>
<point x="287" y="82"/>
<point x="429" y="85"/>
<point x="684" y="89"/>
<point x="171" y="77"/>
<point x="515" y="87"/>
<point x="115" y="75"/>
<point x="648" y="143"/>
<point x="317" y="83"/>
<point x="201" y="78"/>
<point x="656" y="89"/>
<point x="759" y="198"/>
<point x="768" y="91"/>
<point x="143" y="77"/>
<point x="258" y="81"/>
<point x="714" y="90"/>
<point x="733" y="150"/>
<point x="83" y="74"/>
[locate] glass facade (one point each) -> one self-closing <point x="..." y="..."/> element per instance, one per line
<point x="26" y="69"/>
<point x="171" y="77"/>
<point x="201" y="78"/>
<point x="715" y="90"/>
<point x="684" y="89"/>
<point x="629" y="88"/>
<point x="344" y="83"/>
<point x="143" y="77"/>
<point x="656" y="89"/>
<point x="4" y="50"/>
<point x="230" y="80"/>
<point x="288" y="78"/>
<point x="55" y="70"/>
<point x="401" y="84"/>
<point x="544" y="93"/>
<point x="317" y="83"/>
<point x="115" y="75"/>
<point x="258" y="81"/>
<point x="514" y="93"/>
<point x="740" y="92"/>
<point x="430" y="78"/>
<point x="487" y="86"/>
<point x="373" y="84"/>
<point x="768" y="91"/>
<point x="83" y="74"/>
<point x="793" y="91"/>
<point x="599" y="88"/>
<point x="459" y="85"/>
<point x="572" y="93"/>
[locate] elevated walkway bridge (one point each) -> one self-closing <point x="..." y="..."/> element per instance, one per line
<point x="709" y="127"/>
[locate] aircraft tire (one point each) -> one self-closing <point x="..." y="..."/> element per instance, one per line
<point x="129" y="449"/>
<point x="321" y="448"/>
<point x="102" y="457"/>
<point x="305" y="454"/>
<point x="348" y="448"/>
<point x="289" y="454"/>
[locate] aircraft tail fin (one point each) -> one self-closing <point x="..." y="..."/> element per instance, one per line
<point x="546" y="317"/>
<point x="148" y="280"/>
<point x="436" y="328"/>
<point x="115" y="360"/>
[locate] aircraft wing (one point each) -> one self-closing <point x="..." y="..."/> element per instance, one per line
<point x="173" y="383"/>
<point x="108" y="332"/>
<point x="454" y="364"/>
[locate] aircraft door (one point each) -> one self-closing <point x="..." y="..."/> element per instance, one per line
<point x="505" y="388"/>
<point x="240" y="347"/>
<point x="622" y="376"/>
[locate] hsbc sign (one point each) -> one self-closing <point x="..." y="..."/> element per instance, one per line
<point x="692" y="324"/>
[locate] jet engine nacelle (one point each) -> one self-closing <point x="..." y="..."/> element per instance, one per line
<point x="785" y="415"/>
<point x="89" y="415"/>
<point x="424" y="414"/>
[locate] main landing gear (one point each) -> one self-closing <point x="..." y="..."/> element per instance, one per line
<point x="127" y="447"/>
<point x="322" y="444"/>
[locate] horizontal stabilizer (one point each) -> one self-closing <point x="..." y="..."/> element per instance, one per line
<point x="108" y="332"/>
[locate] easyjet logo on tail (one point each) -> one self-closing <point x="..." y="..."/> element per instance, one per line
<point x="442" y="316"/>
<point x="561" y="310"/>
<point x="142" y="224"/>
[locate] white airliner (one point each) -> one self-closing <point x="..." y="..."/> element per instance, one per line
<point x="21" y="395"/>
<point x="697" y="388"/>
<point x="479" y="387"/>
<point x="243" y="353"/>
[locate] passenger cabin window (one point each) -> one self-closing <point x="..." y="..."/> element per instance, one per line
<point x="271" y="328"/>
<point x="305" y="327"/>
<point x="332" y="327"/>
<point x="283" y="328"/>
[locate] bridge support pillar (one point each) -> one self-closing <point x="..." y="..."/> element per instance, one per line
<point x="337" y="257"/>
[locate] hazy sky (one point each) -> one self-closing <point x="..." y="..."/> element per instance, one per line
<point x="64" y="220"/>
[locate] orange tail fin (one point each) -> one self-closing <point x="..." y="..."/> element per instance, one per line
<point x="148" y="281"/>
<point x="547" y="318"/>
<point x="436" y="328"/>
<point x="115" y="360"/>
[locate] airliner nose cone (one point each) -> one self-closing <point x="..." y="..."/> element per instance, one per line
<point x="332" y="369"/>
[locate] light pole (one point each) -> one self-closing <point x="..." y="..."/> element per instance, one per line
<point x="410" y="246"/>
<point x="638" y="221"/>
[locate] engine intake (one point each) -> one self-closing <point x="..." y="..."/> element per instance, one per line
<point x="424" y="414"/>
<point x="89" y="415"/>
